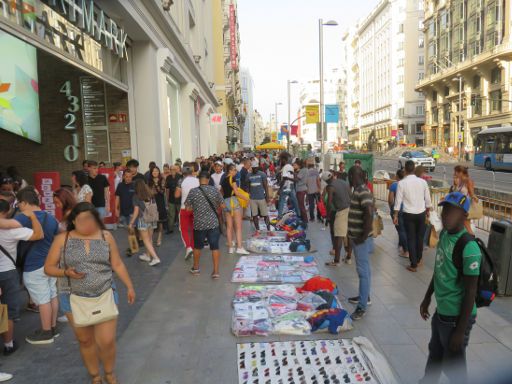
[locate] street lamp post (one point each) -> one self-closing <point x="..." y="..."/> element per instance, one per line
<point x="321" y="62"/>
<point x="275" y="116"/>
<point x="289" y="118"/>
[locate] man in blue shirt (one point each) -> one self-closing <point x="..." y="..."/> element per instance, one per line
<point x="258" y="191"/>
<point x="42" y="288"/>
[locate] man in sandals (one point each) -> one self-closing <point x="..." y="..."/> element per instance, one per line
<point x="205" y="201"/>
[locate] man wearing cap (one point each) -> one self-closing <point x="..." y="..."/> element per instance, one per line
<point x="216" y="177"/>
<point x="205" y="202"/>
<point x="188" y="182"/>
<point x="413" y="192"/>
<point x="455" y="289"/>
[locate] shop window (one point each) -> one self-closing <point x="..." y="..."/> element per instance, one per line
<point x="419" y="128"/>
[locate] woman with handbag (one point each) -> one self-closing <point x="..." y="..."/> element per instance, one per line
<point x="83" y="259"/>
<point x="464" y="184"/>
<point x="232" y="199"/>
<point x="145" y="217"/>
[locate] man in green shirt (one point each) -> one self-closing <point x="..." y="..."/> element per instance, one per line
<point x="455" y="292"/>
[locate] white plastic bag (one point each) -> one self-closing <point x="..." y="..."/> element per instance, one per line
<point x="436" y="221"/>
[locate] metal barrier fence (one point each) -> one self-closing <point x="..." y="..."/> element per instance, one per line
<point x="493" y="209"/>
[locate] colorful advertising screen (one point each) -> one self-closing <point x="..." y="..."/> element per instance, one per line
<point x="19" y="92"/>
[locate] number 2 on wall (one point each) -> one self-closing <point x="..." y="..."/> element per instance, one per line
<point x="71" y="123"/>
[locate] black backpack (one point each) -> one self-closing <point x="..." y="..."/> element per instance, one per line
<point x="488" y="280"/>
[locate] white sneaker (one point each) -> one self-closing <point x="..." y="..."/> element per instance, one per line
<point x="144" y="257"/>
<point x="242" y="251"/>
<point x="154" y="262"/>
<point x="231" y="250"/>
<point x="5" y="376"/>
<point x="188" y="253"/>
<point x="62" y="319"/>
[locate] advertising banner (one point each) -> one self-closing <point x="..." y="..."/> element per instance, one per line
<point x="110" y="218"/>
<point x="332" y="113"/>
<point x="232" y="37"/>
<point x="273" y="137"/>
<point x="284" y="129"/>
<point x="216" y="118"/>
<point x="294" y="130"/>
<point x="47" y="183"/>
<point x="312" y="115"/>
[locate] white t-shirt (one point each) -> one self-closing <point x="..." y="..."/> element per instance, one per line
<point x="216" y="179"/>
<point x="187" y="184"/>
<point x="287" y="171"/>
<point x="9" y="240"/>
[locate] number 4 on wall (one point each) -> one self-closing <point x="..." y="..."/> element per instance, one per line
<point x="66" y="88"/>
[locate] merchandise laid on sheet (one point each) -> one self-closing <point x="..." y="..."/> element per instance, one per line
<point x="274" y="269"/>
<point x="310" y="361"/>
<point x="278" y="245"/>
<point x="281" y="309"/>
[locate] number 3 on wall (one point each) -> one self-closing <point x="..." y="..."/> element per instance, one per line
<point x="74" y="106"/>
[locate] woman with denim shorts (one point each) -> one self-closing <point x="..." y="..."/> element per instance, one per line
<point x="233" y="211"/>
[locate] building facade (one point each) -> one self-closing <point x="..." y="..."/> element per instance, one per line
<point x="468" y="62"/>
<point x="309" y="96"/>
<point x="260" y="130"/>
<point x="105" y="80"/>
<point x="228" y="89"/>
<point x="247" y="84"/>
<point x="387" y="63"/>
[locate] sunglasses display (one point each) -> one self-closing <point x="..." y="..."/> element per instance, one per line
<point x="303" y="362"/>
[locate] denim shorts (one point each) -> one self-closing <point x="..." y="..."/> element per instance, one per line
<point x="65" y="302"/>
<point x="212" y="235"/>
<point x="42" y="288"/>
<point x="144" y="226"/>
<point x="232" y="204"/>
<point x="11" y="290"/>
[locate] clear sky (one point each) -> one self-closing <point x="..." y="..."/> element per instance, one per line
<point x="279" y="42"/>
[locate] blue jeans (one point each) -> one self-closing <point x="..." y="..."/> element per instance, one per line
<point x="282" y="201"/>
<point x="362" y="256"/>
<point x="400" y="229"/>
<point x="440" y="357"/>
<point x="102" y="212"/>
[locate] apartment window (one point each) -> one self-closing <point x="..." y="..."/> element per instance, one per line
<point x="435" y="115"/>
<point x="434" y="96"/>
<point x="420" y="110"/>
<point x="421" y="42"/>
<point x="444" y="20"/>
<point x="401" y="62"/>
<point x="495" y="101"/>
<point x="421" y="76"/>
<point x="400" y="45"/>
<point x="476" y="103"/>
<point x="401" y="28"/>
<point x="496" y="76"/>
<point x="401" y="112"/>
<point x="419" y="128"/>
<point x="400" y="79"/>
<point x="446" y="113"/>
<point x="446" y="91"/>
<point x="421" y="60"/>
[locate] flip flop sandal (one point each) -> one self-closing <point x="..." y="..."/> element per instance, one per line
<point x="332" y="264"/>
<point x="215" y="276"/>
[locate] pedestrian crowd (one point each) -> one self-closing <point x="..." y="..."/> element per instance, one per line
<point x="67" y="264"/>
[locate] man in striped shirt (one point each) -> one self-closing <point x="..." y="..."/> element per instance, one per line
<point x="360" y="219"/>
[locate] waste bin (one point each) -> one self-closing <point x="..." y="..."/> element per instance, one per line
<point x="500" y="249"/>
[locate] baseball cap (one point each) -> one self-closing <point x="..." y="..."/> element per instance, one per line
<point x="326" y="176"/>
<point x="457" y="199"/>
<point x="219" y="162"/>
<point x="255" y="163"/>
<point x="228" y="161"/>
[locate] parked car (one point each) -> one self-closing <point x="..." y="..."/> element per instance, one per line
<point x="419" y="158"/>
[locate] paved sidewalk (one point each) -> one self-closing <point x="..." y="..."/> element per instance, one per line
<point x="182" y="334"/>
<point x="178" y="332"/>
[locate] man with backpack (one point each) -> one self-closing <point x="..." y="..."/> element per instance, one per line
<point x="456" y="285"/>
<point x="9" y="276"/>
<point x="42" y="288"/>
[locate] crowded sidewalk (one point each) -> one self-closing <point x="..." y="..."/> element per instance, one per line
<point x="179" y="329"/>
